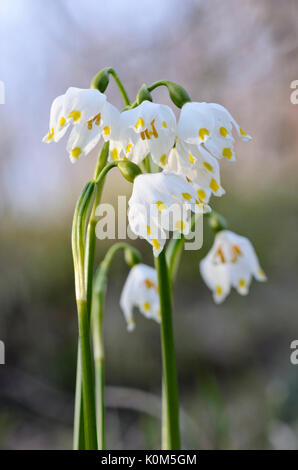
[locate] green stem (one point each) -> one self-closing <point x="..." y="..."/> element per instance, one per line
<point x="120" y="86"/>
<point x="168" y="353"/>
<point x="87" y="376"/>
<point x="78" y="431"/>
<point x="98" y="298"/>
<point x="78" y="441"/>
<point x="98" y="352"/>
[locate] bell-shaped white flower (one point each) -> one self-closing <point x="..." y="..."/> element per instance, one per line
<point x="210" y="125"/>
<point x="231" y="262"/>
<point x="154" y="129"/>
<point x="198" y="166"/>
<point x="140" y="290"/>
<point x="160" y="203"/>
<point x="82" y="108"/>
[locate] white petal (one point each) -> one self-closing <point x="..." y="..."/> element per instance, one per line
<point x="82" y="140"/>
<point x="82" y="105"/>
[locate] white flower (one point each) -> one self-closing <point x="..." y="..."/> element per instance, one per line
<point x="209" y="125"/>
<point x="198" y="166"/>
<point x="140" y="290"/>
<point x="231" y="262"/>
<point x="154" y="129"/>
<point x="84" y="109"/>
<point x="162" y="202"/>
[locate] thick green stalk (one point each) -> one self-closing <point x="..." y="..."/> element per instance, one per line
<point x="168" y="354"/>
<point x="78" y="246"/>
<point x="87" y="376"/>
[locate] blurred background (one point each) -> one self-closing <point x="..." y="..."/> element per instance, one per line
<point x="238" y="389"/>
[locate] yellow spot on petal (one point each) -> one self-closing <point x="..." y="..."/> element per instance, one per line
<point x="218" y="290"/>
<point x="203" y="133"/>
<point x="188" y="179"/>
<point x="161" y="206"/>
<point x="140" y="123"/>
<point x="150" y="284"/>
<point x="148" y="229"/>
<point x="208" y="166"/>
<point x="221" y="255"/>
<point x="164" y="124"/>
<point x="163" y="159"/>
<point x="242" y="132"/>
<point x="128" y="148"/>
<point x="115" y="154"/>
<point x="146" y="306"/>
<point x="201" y="194"/>
<point x="76" y="152"/>
<point x="156" y="244"/>
<point x="180" y="225"/>
<point x="62" y="121"/>
<point x="51" y="134"/>
<point x="227" y="152"/>
<point x="107" y="130"/>
<point x="223" y="131"/>
<point x="75" y="115"/>
<point x="214" y="185"/>
<point x="261" y="273"/>
<point x="154" y="129"/>
<point x="191" y="158"/>
<point x="187" y="196"/>
<point x="242" y="283"/>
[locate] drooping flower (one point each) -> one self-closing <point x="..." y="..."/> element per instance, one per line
<point x="154" y="130"/>
<point x="198" y="166"/>
<point x="82" y="108"/>
<point x="231" y="262"/>
<point x="209" y="125"/>
<point x="140" y="290"/>
<point x="160" y="203"/>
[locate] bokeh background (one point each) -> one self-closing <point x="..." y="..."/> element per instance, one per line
<point x="238" y="388"/>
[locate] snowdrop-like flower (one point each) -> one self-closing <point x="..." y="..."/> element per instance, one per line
<point x="231" y="262"/>
<point x="154" y="130"/>
<point x="209" y="125"/>
<point x="140" y="290"/>
<point x="198" y="166"/>
<point x="160" y="203"/>
<point x="82" y="108"/>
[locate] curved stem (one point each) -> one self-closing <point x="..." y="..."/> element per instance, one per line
<point x="120" y="86"/>
<point x="168" y="354"/>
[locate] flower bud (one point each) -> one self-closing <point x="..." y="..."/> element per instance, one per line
<point x="143" y="95"/>
<point x="177" y="93"/>
<point x="217" y="222"/>
<point x="129" y="170"/>
<point x="132" y="257"/>
<point x="101" y="80"/>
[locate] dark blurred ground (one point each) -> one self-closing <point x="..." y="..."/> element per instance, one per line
<point x="238" y="388"/>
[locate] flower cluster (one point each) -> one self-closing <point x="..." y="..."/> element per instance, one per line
<point x="187" y="152"/>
